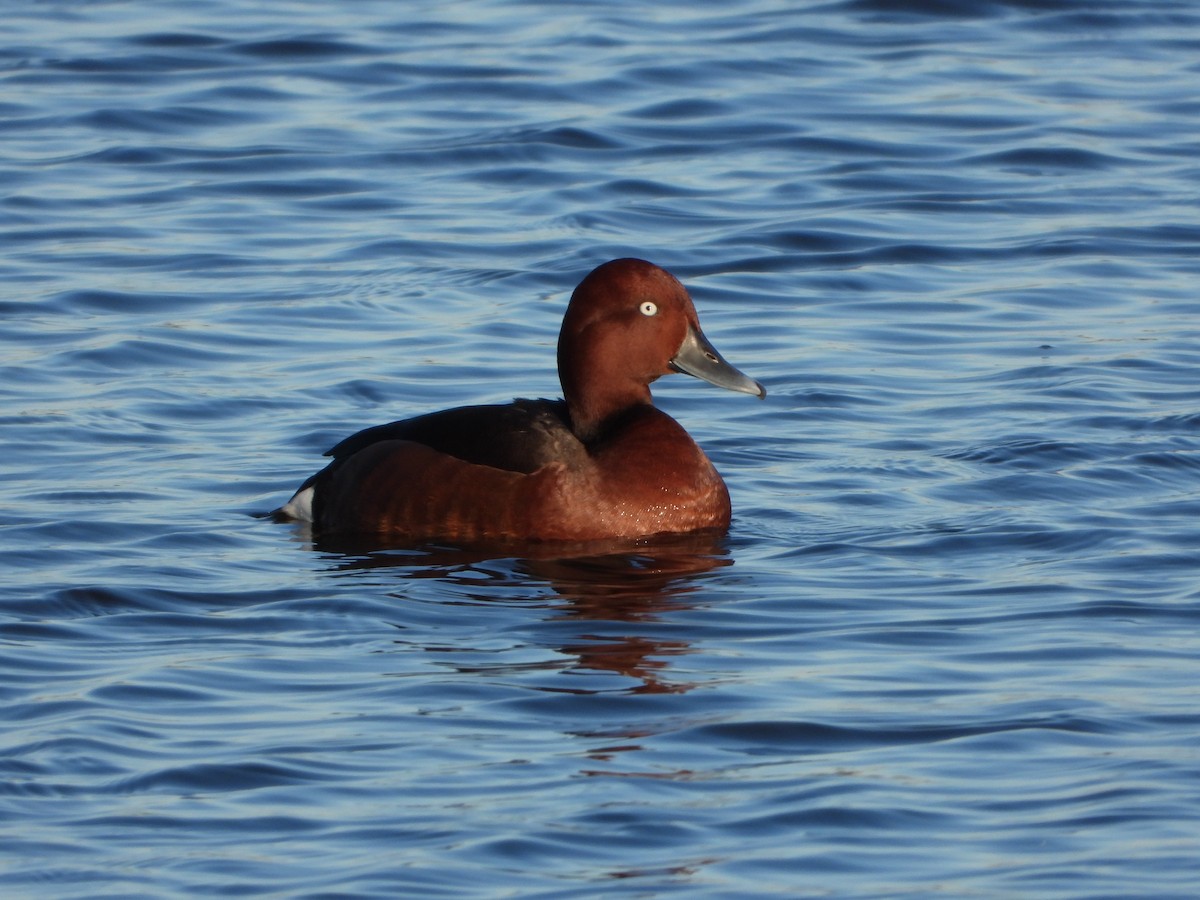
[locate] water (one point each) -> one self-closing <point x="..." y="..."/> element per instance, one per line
<point x="950" y="644"/>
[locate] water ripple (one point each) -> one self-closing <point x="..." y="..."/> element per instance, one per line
<point x="958" y="603"/>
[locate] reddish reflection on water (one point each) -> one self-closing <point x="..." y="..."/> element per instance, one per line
<point x="608" y="581"/>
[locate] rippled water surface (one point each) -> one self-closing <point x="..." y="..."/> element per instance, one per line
<point x="950" y="645"/>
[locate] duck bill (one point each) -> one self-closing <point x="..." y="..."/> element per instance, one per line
<point x="697" y="357"/>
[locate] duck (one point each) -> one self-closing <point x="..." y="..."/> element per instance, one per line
<point x="603" y="463"/>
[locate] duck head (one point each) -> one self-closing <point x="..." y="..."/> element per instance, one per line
<point x="628" y="323"/>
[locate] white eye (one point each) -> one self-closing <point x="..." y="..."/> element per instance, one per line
<point x="648" y="309"/>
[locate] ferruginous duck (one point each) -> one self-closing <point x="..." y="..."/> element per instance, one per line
<point x="603" y="463"/>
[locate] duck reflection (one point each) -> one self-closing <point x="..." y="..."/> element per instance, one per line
<point x="611" y="584"/>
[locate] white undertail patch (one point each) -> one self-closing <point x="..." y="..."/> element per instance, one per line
<point x="300" y="507"/>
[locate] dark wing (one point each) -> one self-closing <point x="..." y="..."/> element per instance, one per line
<point x="521" y="436"/>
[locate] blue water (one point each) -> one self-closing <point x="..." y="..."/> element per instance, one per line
<point x="951" y="644"/>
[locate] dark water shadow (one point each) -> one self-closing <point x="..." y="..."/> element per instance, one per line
<point x="621" y="589"/>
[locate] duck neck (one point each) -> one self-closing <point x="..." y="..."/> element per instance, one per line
<point x="594" y="400"/>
